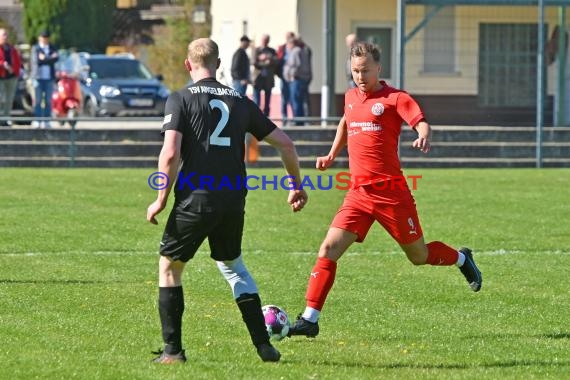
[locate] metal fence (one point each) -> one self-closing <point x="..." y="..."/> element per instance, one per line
<point x="504" y="58"/>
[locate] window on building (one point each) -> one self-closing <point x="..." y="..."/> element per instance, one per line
<point x="507" y="65"/>
<point x="381" y="36"/>
<point x="439" y="41"/>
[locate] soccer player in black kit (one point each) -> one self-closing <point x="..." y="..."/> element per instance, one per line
<point x="204" y="130"/>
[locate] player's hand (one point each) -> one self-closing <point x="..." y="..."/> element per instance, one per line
<point x="153" y="210"/>
<point x="422" y="143"/>
<point x="324" y="162"/>
<point x="297" y="199"/>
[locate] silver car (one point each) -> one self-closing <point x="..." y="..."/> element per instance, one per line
<point x="118" y="85"/>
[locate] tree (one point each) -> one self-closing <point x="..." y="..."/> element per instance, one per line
<point x="10" y="30"/>
<point x="167" y="56"/>
<point x="80" y="24"/>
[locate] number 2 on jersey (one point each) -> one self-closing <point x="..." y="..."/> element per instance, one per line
<point x="215" y="138"/>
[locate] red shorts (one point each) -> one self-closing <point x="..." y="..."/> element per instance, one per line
<point x="393" y="208"/>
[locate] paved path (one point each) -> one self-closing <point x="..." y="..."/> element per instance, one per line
<point x="154" y="123"/>
<point x="107" y="123"/>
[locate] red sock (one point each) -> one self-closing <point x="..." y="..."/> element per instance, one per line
<point x="441" y="254"/>
<point x="320" y="282"/>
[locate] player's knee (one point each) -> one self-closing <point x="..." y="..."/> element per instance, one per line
<point x="237" y="276"/>
<point x="325" y="249"/>
<point x="329" y="251"/>
<point x="170" y="272"/>
<point x="416" y="260"/>
<point x="416" y="257"/>
<point x="231" y="268"/>
<point x="416" y="252"/>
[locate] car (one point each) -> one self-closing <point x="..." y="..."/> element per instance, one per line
<point x="116" y="85"/>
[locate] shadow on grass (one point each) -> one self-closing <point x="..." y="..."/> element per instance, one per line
<point x="499" y="364"/>
<point x="553" y="335"/>
<point x="556" y="336"/>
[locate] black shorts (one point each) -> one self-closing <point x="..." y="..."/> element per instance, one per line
<point x="200" y="217"/>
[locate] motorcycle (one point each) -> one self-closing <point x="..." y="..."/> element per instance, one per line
<point x="66" y="98"/>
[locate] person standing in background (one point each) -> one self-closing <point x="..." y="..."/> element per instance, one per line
<point x="282" y="53"/>
<point x="240" y="67"/>
<point x="306" y="73"/>
<point x="562" y="115"/>
<point x="297" y="75"/>
<point x="350" y="40"/>
<point x="264" y="74"/>
<point x="10" y="66"/>
<point x="42" y="61"/>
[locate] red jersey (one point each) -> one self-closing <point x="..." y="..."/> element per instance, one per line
<point x="15" y="61"/>
<point x="373" y="126"/>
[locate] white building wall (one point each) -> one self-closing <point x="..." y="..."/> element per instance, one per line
<point x="305" y="17"/>
<point x="231" y="19"/>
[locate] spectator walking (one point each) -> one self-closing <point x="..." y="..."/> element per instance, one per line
<point x="42" y="61"/>
<point x="10" y="66"/>
<point x="241" y="75"/>
<point x="264" y="74"/>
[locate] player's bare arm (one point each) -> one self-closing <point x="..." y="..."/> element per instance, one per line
<point x="279" y="140"/>
<point x="168" y="162"/>
<point x="323" y="162"/>
<point x="423" y="142"/>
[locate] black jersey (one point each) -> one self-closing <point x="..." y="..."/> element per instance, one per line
<point x="213" y="120"/>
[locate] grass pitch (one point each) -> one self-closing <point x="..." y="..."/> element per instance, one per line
<point x="78" y="283"/>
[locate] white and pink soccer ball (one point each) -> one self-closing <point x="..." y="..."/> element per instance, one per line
<point x="276" y="321"/>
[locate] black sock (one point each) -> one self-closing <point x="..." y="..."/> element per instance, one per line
<point x="171" y="308"/>
<point x="250" y="307"/>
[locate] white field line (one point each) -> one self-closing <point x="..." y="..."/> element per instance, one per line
<point x="99" y="253"/>
<point x="313" y="253"/>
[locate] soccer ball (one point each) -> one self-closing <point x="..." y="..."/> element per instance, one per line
<point x="276" y="321"/>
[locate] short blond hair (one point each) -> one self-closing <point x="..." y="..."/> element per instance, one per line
<point x="203" y="52"/>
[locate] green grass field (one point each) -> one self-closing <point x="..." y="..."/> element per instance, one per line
<point x="78" y="283"/>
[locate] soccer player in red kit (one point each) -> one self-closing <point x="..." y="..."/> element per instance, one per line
<point x="370" y="127"/>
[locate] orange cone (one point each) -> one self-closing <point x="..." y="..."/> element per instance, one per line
<point x="253" y="151"/>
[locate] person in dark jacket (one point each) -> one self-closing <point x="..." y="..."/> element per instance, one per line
<point x="240" y="67"/>
<point x="264" y="74"/>
<point x="42" y="61"/>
